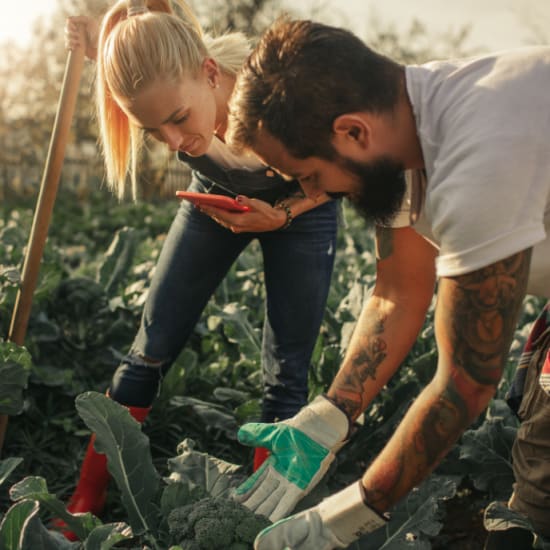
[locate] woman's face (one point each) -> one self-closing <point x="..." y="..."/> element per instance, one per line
<point x="180" y="114"/>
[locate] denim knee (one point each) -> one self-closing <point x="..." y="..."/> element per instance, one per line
<point x="136" y="382"/>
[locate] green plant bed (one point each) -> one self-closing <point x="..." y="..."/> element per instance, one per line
<point x="96" y="269"/>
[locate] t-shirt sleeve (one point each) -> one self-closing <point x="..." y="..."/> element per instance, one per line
<point x="482" y="210"/>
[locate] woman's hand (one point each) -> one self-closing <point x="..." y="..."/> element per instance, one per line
<point x="73" y="34"/>
<point x="261" y="217"/>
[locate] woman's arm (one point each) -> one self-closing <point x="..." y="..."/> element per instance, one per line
<point x="91" y="34"/>
<point x="262" y="216"/>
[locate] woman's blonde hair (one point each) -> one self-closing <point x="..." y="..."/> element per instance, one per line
<point x="162" y="41"/>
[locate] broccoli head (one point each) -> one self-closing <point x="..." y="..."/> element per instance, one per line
<point x="215" y="524"/>
<point x="249" y="527"/>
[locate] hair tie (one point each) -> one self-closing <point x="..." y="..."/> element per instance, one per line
<point x="135" y="7"/>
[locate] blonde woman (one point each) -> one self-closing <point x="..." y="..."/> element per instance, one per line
<point x="158" y="74"/>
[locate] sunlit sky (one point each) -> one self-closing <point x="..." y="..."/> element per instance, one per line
<point x="495" y="24"/>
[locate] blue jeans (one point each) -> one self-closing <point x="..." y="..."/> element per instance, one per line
<point x="196" y="256"/>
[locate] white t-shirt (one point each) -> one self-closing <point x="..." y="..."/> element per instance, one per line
<point x="484" y="128"/>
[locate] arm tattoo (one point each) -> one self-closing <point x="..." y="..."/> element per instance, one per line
<point x="423" y="438"/>
<point x="486" y="306"/>
<point x="348" y="385"/>
<point x="384" y="242"/>
<point x="377" y="490"/>
<point x="476" y="317"/>
<point x="442" y="424"/>
<point x="480" y="311"/>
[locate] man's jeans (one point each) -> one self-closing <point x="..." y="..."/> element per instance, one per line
<point x="196" y="256"/>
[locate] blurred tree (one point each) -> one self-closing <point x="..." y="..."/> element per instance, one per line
<point x="416" y="44"/>
<point x="10" y="56"/>
<point x="536" y="25"/>
<point x="32" y="76"/>
<point x="35" y="76"/>
<point x="248" y="16"/>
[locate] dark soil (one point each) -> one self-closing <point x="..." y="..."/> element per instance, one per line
<point x="463" y="523"/>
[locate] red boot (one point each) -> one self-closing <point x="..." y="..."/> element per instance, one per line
<point x="260" y="456"/>
<point x="91" y="490"/>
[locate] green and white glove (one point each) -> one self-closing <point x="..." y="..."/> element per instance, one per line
<point x="335" y="522"/>
<point x="302" y="449"/>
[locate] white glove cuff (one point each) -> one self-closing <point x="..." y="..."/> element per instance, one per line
<point x="347" y="516"/>
<point x="326" y="423"/>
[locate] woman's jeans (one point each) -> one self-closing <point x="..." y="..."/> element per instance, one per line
<point x="196" y="256"/>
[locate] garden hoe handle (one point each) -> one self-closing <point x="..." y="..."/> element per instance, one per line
<point x="45" y="202"/>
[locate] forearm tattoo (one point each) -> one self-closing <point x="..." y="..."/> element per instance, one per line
<point x="477" y="315"/>
<point x="347" y="388"/>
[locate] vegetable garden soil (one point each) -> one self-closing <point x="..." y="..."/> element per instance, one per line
<point x="86" y="309"/>
<point x="463" y="524"/>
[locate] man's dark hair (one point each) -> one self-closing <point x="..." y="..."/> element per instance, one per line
<point x="300" y="77"/>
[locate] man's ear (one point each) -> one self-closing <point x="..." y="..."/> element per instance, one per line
<point x="351" y="129"/>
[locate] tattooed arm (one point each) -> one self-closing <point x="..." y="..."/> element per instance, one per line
<point x="390" y="320"/>
<point x="476" y="315"/>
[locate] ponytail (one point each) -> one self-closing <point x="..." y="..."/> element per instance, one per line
<point x="163" y="40"/>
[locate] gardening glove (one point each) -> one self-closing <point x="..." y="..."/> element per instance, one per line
<point x="335" y="522"/>
<point x="302" y="449"/>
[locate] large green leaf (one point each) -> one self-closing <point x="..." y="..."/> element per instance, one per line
<point x="15" y="367"/>
<point x="7" y="466"/>
<point x="498" y="517"/>
<point x="416" y="518"/>
<point x="176" y="379"/>
<point x="200" y="470"/>
<point x="129" y="460"/>
<point x="22" y="523"/>
<point x="21" y="529"/>
<point x="13" y="522"/>
<point x="213" y="415"/>
<point x="117" y="260"/>
<point x="34" y="535"/>
<point x="35" y="489"/>
<point x="106" y="536"/>
<point x="179" y="492"/>
<point x="237" y="327"/>
<point x="486" y="451"/>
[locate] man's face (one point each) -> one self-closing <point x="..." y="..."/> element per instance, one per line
<point x="375" y="187"/>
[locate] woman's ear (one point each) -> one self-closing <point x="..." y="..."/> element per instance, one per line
<point x="212" y="72"/>
<point x="351" y="129"/>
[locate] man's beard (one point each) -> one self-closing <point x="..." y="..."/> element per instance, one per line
<point x="381" y="188"/>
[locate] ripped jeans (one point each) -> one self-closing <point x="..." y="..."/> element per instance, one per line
<point x="196" y="256"/>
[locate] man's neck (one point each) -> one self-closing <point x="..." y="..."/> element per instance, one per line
<point x="407" y="145"/>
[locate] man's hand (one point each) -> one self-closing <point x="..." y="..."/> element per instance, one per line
<point x="334" y="523"/>
<point x="302" y="448"/>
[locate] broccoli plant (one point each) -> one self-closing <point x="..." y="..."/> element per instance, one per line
<point x="214" y="524"/>
<point x="196" y="492"/>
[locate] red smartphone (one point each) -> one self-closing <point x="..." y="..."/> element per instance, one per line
<point x="208" y="199"/>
